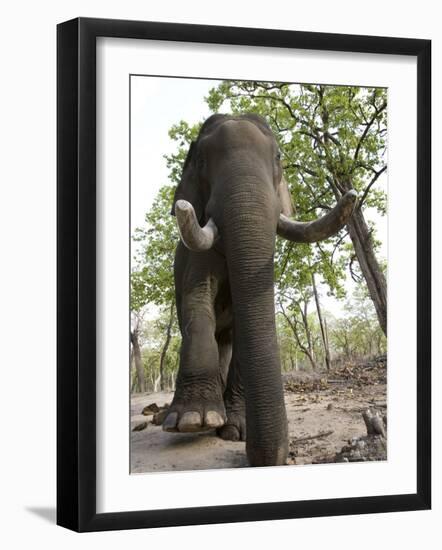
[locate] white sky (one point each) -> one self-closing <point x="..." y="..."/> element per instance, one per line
<point x="157" y="103"/>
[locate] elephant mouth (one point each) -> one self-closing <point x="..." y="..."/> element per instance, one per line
<point x="200" y="239"/>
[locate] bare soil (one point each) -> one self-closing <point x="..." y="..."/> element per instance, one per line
<point x="325" y="417"/>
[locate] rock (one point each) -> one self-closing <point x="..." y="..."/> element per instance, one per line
<point x="372" y="446"/>
<point x="369" y="447"/>
<point x="159" y="417"/>
<point x="140" y="427"/>
<point x="374" y="423"/>
<point x="330" y="406"/>
<point x="150" y="409"/>
<point x="378" y="426"/>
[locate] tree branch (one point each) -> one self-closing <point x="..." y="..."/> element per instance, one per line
<point x="368" y="125"/>
<point x="294" y="328"/>
<point x="370" y="185"/>
<point x="308" y="171"/>
<point x="289" y="251"/>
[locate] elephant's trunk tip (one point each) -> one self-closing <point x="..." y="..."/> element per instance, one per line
<point x="323" y="228"/>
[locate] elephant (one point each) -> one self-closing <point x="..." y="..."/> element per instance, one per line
<point x="231" y="202"/>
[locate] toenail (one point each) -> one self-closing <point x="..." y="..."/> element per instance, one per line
<point x="214" y="419"/>
<point x="169" y="424"/>
<point x="190" y="422"/>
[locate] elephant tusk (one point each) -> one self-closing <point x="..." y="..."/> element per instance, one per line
<point x="194" y="236"/>
<point x="323" y="228"/>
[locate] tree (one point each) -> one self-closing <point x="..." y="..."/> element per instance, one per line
<point x="333" y="139"/>
<point x="166" y="344"/>
<point x="136" y="351"/>
<point x="357" y="334"/>
<point x="299" y="321"/>
<point x="152" y="276"/>
<point x="288" y="348"/>
<point x="160" y="352"/>
<point x="152" y="282"/>
<point x="296" y="269"/>
<point x="322" y="323"/>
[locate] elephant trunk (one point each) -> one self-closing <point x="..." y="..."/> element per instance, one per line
<point x="249" y="240"/>
<point x="322" y="228"/>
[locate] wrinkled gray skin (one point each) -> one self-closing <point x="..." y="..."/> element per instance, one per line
<point x="229" y="375"/>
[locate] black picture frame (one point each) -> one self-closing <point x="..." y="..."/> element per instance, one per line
<point x="76" y="273"/>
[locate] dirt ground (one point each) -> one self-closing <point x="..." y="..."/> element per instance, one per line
<point x="324" y="415"/>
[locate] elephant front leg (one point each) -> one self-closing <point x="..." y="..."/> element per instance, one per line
<point x="198" y="401"/>
<point x="235" y="427"/>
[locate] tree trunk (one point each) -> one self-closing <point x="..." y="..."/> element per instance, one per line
<point x="326" y="337"/>
<point x="156" y="383"/>
<point x="347" y="348"/>
<point x="362" y="242"/>
<point x="370" y="268"/>
<point x="310" y="352"/>
<point x="138" y="361"/>
<point x="311" y="358"/>
<point x="379" y="344"/>
<point x="307" y="351"/>
<point x="166" y="346"/>
<point x="133" y="378"/>
<point x="321" y="323"/>
<point x="292" y="363"/>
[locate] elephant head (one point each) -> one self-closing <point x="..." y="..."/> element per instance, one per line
<point x="233" y="196"/>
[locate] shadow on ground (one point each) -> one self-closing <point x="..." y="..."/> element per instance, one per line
<point x="46" y="513"/>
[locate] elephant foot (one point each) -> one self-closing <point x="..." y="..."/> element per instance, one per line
<point x="194" y="415"/>
<point x="234" y="429"/>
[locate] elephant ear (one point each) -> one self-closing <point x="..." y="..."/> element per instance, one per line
<point x="285" y="199"/>
<point x="189" y="189"/>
